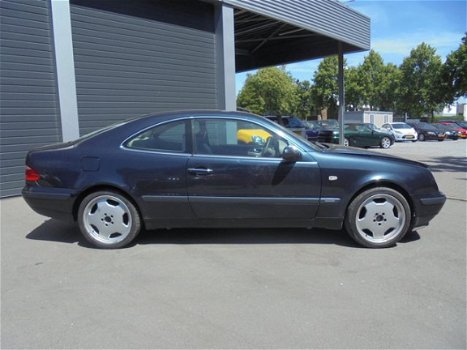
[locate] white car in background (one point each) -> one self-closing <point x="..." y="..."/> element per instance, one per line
<point x="401" y="131"/>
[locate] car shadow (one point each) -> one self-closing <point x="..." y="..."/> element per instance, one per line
<point x="58" y="231"/>
<point x="449" y="164"/>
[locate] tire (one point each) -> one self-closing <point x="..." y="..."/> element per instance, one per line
<point x="346" y="142"/>
<point x="378" y="218"/>
<point x="421" y="137"/>
<point x="385" y="142"/>
<point x="108" y="220"/>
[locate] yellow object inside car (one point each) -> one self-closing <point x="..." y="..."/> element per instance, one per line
<point x="252" y="135"/>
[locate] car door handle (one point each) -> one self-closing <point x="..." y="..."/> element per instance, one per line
<point x="200" y="171"/>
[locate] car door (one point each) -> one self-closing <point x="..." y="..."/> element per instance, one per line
<point x="229" y="178"/>
<point x="367" y="136"/>
<point x="156" y="160"/>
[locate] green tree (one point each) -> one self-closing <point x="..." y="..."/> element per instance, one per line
<point x="305" y="106"/>
<point x="371" y="74"/>
<point x="454" y="72"/>
<point x="390" y="88"/>
<point x="353" y="88"/>
<point x="421" y="81"/>
<point x="269" y="91"/>
<point x="325" y="88"/>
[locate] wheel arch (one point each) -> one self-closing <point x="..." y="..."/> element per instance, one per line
<point x="387" y="184"/>
<point x="104" y="187"/>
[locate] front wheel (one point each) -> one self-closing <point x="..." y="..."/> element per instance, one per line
<point x="421" y="137"/>
<point x="108" y="220"/>
<point x="378" y="217"/>
<point x="385" y="142"/>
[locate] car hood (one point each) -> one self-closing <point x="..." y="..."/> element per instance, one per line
<point x="339" y="149"/>
<point x="405" y="129"/>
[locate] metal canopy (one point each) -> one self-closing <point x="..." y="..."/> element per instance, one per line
<point x="277" y="32"/>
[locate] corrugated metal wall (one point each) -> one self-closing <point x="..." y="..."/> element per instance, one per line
<point x="29" y="115"/>
<point x="137" y="57"/>
<point x="326" y="17"/>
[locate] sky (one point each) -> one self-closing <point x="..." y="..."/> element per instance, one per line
<point x="396" y="28"/>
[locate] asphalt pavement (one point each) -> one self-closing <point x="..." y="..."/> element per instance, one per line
<point x="283" y="288"/>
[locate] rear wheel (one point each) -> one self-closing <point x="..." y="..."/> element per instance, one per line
<point x="385" y="142"/>
<point x="378" y="217"/>
<point x="108" y="220"/>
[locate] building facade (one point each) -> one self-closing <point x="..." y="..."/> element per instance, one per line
<point x="68" y="67"/>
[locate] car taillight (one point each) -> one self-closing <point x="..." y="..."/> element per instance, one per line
<point x="32" y="175"/>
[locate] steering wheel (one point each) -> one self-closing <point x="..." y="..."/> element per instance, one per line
<point x="270" y="145"/>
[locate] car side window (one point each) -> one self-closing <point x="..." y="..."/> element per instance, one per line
<point x="169" y="137"/>
<point x="231" y="137"/>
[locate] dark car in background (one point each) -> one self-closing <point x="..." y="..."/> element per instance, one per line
<point x="460" y="125"/>
<point x="427" y="131"/>
<point x="357" y="135"/>
<point x="328" y="130"/>
<point x="298" y="126"/>
<point x="367" y="135"/>
<point x="189" y="169"/>
<point x="451" y="132"/>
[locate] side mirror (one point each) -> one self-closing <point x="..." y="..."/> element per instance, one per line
<point x="291" y="154"/>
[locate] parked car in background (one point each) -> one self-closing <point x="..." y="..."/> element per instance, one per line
<point x="357" y="135"/>
<point x="188" y="169"/>
<point x="298" y="126"/>
<point x="460" y="125"/>
<point x="427" y="131"/>
<point x="452" y="132"/>
<point x="328" y="130"/>
<point x="366" y="135"/>
<point x="401" y="131"/>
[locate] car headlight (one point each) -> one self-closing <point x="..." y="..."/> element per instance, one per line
<point x="431" y="133"/>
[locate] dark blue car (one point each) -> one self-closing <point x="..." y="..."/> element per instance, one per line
<point x="307" y="130"/>
<point x="189" y="169"/>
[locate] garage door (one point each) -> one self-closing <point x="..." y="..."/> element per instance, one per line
<point x="28" y="105"/>
<point x="137" y="57"/>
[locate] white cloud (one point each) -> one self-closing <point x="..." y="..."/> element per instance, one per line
<point x="443" y="42"/>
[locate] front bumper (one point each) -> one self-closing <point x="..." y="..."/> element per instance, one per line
<point x="401" y="137"/>
<point x="427" y="207"/>
<point x="53" y="202"/>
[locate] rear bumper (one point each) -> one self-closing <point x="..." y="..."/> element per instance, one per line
<point x="56" y="203"/>
<point x="427" y="207"/>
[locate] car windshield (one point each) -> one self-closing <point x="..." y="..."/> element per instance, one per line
<point x="401" y="126"/>
<point x="330" y="123"/>
<point x="312" y="124"/>
<point x="427" y="126"/>
<point x="462" y="124"/>
<point x="101" y="130"/>
<point x="296" y="123"/>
